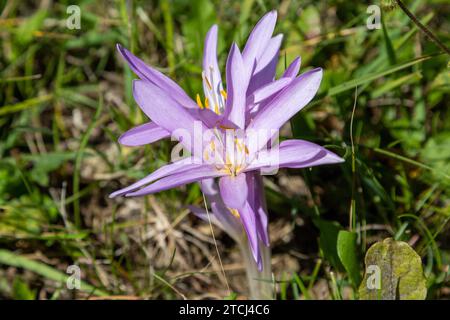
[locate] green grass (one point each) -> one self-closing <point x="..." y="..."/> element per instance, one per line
<point x="66" y="97"/>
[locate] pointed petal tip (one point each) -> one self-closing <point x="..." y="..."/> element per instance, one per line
<point x="213" y="28"/>
<point x="112" y="195"/>
<point x="273" y="14"/>
<point x="122" y="50"/>
<point x="117" y="193"/>
<point x="278" y="36"/>
<point x="293" y="69"/>
<point x="259" y="37"/>
<point x="318" y="70"/>
<point x="333" y="158"/>
<point x="297" y="60"/>
<point x="270" y="16"/>
<point x="121" y="140"/>
<point x="232" y="55"/>
<point x="259" y="264"/>
<point x="235" y="48"/>
<point x="338" y="159"/>
<point x="124" y="141"/>
<point x="315" y="75"/>
<point x="211" y="35"/>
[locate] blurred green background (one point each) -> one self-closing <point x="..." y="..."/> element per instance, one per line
<point x="66" y="97"/>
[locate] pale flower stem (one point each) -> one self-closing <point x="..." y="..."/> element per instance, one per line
<point x="260" y="284"/>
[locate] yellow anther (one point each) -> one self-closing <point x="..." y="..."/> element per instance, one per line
<point x="206" y="103"/>
<point x="225" y="127"/>
<point x="207" y="82"/>
<point x="235" y="213"/>
<point x="238" y="144"/>
<point x="223" y="93"/>
<point x="216" y="109"/>
<point x="199" y="101"/>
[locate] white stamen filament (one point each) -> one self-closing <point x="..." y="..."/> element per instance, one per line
<point x="229" y="156"/>
<point x="213" y="91"/>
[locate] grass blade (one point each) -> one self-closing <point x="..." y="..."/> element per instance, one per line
<point x="368" y="78"/>
<point x="14" y="260"/>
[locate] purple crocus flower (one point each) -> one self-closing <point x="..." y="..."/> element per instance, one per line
<point x="227" y="132"/>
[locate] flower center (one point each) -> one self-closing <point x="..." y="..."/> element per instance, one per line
<point x="227" y="152"/>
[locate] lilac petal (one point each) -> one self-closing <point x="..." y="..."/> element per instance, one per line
<point x="294" y="154"/>
<point x="210" y="52"/>
<point x="230" y="225"/>
<point x="249" y="221"/>
<point x="259" y="38"/>
<point x="209" y="117"/>
<point x="257" y="202"/>
<point x="199" y="212"/>
<point x="210" y="65"/>
<point x="266" y="66"/>
<point x="325" y="157"/>
<point x="202" y="214"/>
<point x="177" y="179"/>
<point x="262" y="226"/>
<point x="286" y="104"/>
<point x="166" y="113"/>
<point x="148" y="73"/>
<point x="290" y="73"/>
<point x="144" y="134"/>
<point x="145" y="72"/>
<point x="303" y="144"/>
<point x="269" y="90"/>
<point x="234" y="190"/>
<point x="270" y="52"/>
<point x="210" y="189"/>
<point x="237" y="82"/>
<point x="293" y="69"/>
<point x="176" y="167"/>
